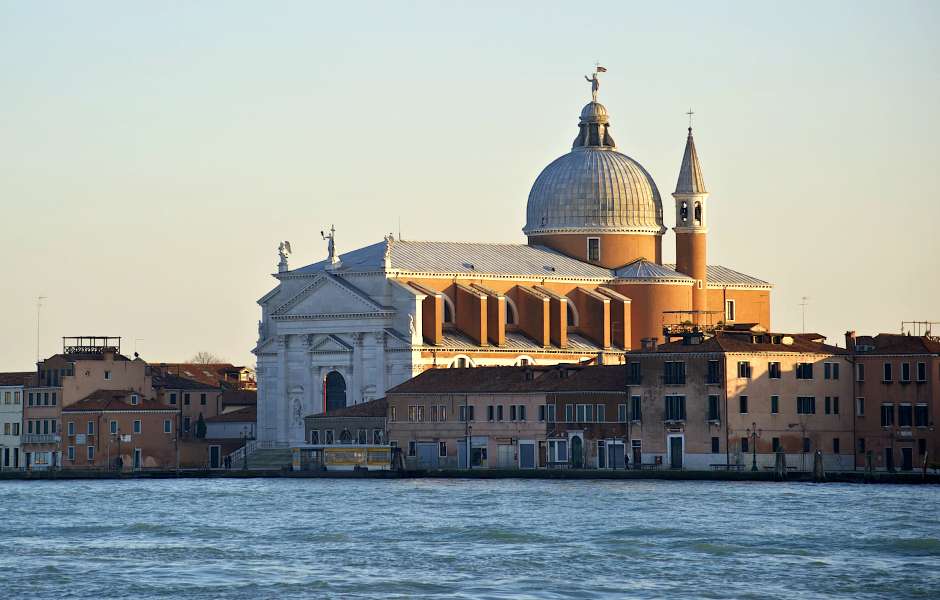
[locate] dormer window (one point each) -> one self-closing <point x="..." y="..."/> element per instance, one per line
<point x="135" y="399"/>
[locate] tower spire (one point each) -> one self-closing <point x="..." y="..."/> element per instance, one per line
<point x="690" y="173"/>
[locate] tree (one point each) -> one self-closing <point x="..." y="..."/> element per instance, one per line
<point x="200" y="428"/>
<point x="205" y="358"/>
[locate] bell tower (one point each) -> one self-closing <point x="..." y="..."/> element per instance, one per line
<point x="692" y="225"/>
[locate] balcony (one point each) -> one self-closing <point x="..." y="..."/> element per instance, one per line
<point x="41" y="438"/>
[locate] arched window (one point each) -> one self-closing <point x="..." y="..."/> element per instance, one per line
<point x="512" y="316"/>
<point x="573" y="319"/>
<point x="345" y="437"/>
<point x="448" y="309"/>
<point x="698" y="213"/>
<point x="335" y="390"/>
<point x="523" y="361"/>
<point x="461" y="362"/>
<point x="684" y="212"/>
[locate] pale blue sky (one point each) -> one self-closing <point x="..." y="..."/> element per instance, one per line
<point x="153" y="154"/>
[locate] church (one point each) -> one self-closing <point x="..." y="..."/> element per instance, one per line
<point x="588" y="285"/>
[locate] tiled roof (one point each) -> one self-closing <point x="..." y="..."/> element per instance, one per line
<point x="644" y="269"/>
<point x="16" y="378"/>
<point x="247" y="414"/>
<point x="556" y="378"/>
<point x="895" y="343"/>
<point x="509" y="260"/>
<point x="518" y="342"/>
<point x="373" y="408"/>
<point x="465" y="258"/>
<point x="732" y="341"/>
<point x="169" y="381"/>
<point x="212" y="375"/>
<point x="719" y="275"/>
<point x="239" y="398"/>
<point x="115" y="400"/>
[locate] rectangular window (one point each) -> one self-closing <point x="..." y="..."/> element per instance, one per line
<point x="107" y="375"/>
<point x="588" y="413"/>
<point x="433" y="415"/>
<point x="522" y="412"/>
<point x="745" y="445"/>
<point x="393" y="413"/>
<point x="362" y="437"/>
<point x="412" y="448"/>
<point x="675" y="408"/>
<point x="167" y="426"/>
<point x="91" y="428"/>
<point x="835" y="445"/>
<point x="835" y="405"/>
<point x="774" y="405"/>
<point x="713" y="413"/>
<point x="328" y="436"/>
<point x="674" y="373"/>
<point x="442" y="449"/>
<point x="921" y="446"/>
<point x="541" y="413"/>
<point x="202" y="399"/>
<point x="828" y="405"/>
<point x="314" y="436"/>
<point x="54" y="398"/>
<point x="860" y="372"/>
<point x="137" y="426"/>
<point x="621" y="413"/>
<point x="135" y="399"/>
<point x="186" y="399"/>
<point x="742" y="401"/>
<point x="905" y="372"/>
<point x="30" y="401"/>
<point x="600" y="414"/>
<point x="71" y="453"/>
<point x="442" y="412"/>
<point x="569" y="413"/>
<point x="859" y="407"/>
<point x="773" y="370"/>
<point x="186" y="424"/>
<point x="420" y="413"/>
<point x="490" y="413"/>
<point x="806" y="405"/>
<point x="920" y="415"/>
<point x="594" y="249"/>
<point x="887" y="415"/>
<point x="581" y="413"/>
<point x="714" y="372"/>
<point x="775" y="444"/>
<point x="634" y="373"/>
<point x="921" y="371"/>
<point x="70" y="428"/>
<point x="888" y="375"/>
<point x="804" y="370"/>
<point x="835" y="370"/>
<point x="113" y="427"/>
<point x="861" y="445"/>
<point x="513" y="414"/>
<point x="636" y="409"/>
<point x="729" y="310"/>
<point x="376" y="436"/>
<point x="827" y="370"/>
<point x="744" y="369"/>
<point x="471" y="413"/>
<point x="499" y="412"/>
<point x="173" y="398"/>
<point x="91" y="453"/>
<point x="550" y="413"/>
<point x="716" y="445"/>
<point x="806" y="445"/>
<point x="558" y="451"/>
<point x="905" y="415"/>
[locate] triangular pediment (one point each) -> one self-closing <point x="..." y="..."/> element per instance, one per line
<point x="330" y="343"/>
<point x="329" y="295"/>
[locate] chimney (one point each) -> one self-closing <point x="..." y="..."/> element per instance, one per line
<point x="850" y="341"/>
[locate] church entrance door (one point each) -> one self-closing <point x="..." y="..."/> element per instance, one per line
<point x="335" y="387"/>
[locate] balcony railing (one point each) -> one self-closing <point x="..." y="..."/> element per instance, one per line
<point x="41" y="438"/>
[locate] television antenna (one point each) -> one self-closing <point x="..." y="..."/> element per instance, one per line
<point x="804" y="302"/>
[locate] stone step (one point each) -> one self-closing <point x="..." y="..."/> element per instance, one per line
<point x="270" y="458"/>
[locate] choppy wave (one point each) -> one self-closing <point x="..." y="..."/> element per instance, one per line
<point x="273" y="538"/>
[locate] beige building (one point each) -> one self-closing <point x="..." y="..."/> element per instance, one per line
<point x="739" y="396"/>
<point x="12" y="386"/>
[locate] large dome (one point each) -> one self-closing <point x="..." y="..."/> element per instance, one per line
<point x="594" y="188"/>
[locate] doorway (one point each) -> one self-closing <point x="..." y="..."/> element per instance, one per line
<point x="577" y="452"/>
<point x="889" y="459"/>
<point x="907" y="459"/>
<point x="675" y="452"/>
<point x="137" y="460"/>
<point x="214" y="457"/>
<point x="615" y="455"/>
<point x="505" y="456"/>
<point x="637" y="451"/>
<point x="526" y="455"/>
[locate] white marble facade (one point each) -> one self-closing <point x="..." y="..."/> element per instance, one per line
<point x="360" y="325"/>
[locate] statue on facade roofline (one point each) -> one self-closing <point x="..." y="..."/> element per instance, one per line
<point x="330" y="244"/>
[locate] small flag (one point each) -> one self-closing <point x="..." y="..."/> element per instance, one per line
<point x="601" y="69"/>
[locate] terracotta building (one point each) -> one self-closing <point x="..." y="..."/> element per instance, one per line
<point x="897" y="396"/>
<point x="513" y="417"/>
<point x="697" y="402"/>
<point x="119" y="429"/>
<point x="85" y="365"/>
<point x="590" y="282"/>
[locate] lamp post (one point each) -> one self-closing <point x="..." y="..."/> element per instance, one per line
<point x="469" y="443"/>
<point x="754" y="433"/>
<point x="245" y="448"/>
<point x="119" y="460"/>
